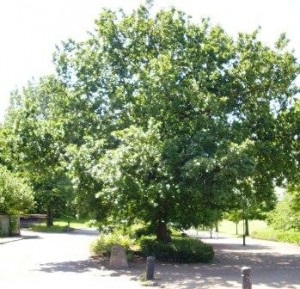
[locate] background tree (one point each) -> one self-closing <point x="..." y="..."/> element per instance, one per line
<point x="294" y="182"/>
<point x="33" y="137"/>
<point x="235" y="216"/>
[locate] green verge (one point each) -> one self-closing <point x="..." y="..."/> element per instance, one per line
<point x="292" y="237"/>
<point x="229" y="227"/>
<point x="260" y="230"/>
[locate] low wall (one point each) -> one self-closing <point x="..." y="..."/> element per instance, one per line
<point x="26" y="221"/>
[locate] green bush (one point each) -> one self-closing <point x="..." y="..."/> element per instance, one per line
<point x="181" y="250"/>
<point x="103" y="244"/>
<point x="285" y="217"/>
<point x="15" y="194"/>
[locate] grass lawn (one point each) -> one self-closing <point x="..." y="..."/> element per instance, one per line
<point x="229" y="227"/>
<point x="290" y="236"/>
<point x="61" y="225"/>
<point x="260" y="230"/>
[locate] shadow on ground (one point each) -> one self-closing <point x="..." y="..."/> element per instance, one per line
<point x="80" y="266"/>
<point x="273" y="271"/>
<point x="269" y="270"/>
<point x="8" y="240"/>
<point x="85" y="232"/>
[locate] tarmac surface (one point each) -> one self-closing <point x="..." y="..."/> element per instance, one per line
<point x="41" y="260"/>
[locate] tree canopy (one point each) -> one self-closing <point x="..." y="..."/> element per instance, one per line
<point x="162" y="119"/>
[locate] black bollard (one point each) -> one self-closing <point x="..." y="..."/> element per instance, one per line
<point x="150" y="268"/>
<point x="244" y="240"/>
<point x="246" y="278"/>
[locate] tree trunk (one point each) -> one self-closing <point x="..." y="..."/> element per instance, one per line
<point x="162" y="232"/>
<point x="236" y="228"/>
<point x="247" y="227"/>
<point x="49" y="217"/>
<point x="217" y="227"/>
<point x="211" y="232"/>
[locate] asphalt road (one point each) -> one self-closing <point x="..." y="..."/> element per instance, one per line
<point x="39" y="260"/>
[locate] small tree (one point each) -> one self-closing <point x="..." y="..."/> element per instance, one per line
<point x="235" y="216"/>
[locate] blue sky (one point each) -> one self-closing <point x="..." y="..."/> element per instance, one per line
<point x="30" y="29"/>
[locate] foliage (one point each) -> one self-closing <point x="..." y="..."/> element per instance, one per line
<point x="181" y="250"/>
<point x="129" y="176"/>
<point x="276" y="235"/>
<point x="234" y="216"/>
<point x="251" y="208"/>
<point x="285" y="217"/>
<point x="191" y="119"/>
<point x="78" y="161"/>
<point x="294" y="192"/>
<point x="33" y="141"/>
<point x="16" y="195"/>
<point x="3" y="148"/>
<point x="147" y="230"/>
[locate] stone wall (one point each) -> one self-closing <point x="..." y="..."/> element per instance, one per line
<point x="15" y="225"/>
<point x="9" y="225"/>
<point x="4" y="225"/>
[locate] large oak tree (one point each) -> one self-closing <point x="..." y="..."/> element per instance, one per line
<point x="171" y="121"/>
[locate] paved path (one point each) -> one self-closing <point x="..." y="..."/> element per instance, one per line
<point x="45" y="260"/>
